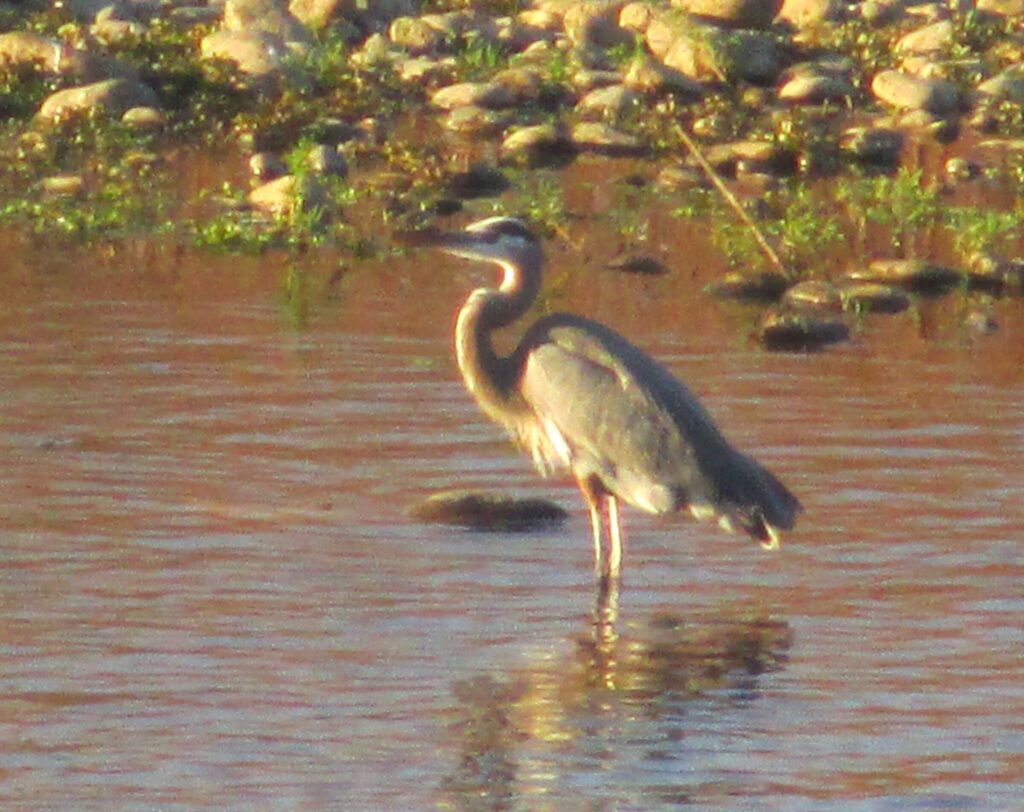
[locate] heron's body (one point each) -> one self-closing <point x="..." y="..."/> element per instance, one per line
<point x="579" y="396"/>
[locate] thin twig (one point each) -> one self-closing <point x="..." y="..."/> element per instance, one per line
<point x="730" y="198"/>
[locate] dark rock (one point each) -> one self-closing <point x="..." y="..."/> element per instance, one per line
<point x="761" y="287"/>
<point x="487" y="511"/>
<point x="799" y="332"/>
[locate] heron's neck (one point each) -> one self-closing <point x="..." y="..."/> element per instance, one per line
<point x="491" y="377"/>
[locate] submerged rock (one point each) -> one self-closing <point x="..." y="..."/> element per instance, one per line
<point x="918" y="275"/>
<point x="488" y="511"/>
<point x="813" y="293"/>
<point x="767" y="286"/>
<point x="603" y="139"/>
<point x="871" y="297"/>
<point x="638" y="264"/>
<point x="539" y="144"/>
<point x="800" y="332"/>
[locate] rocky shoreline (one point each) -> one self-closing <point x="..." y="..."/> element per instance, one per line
<point x="777" y="94"/>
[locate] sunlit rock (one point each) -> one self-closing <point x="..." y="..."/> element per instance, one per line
<point x="488" y="511"/>
<point x="111" y="97"/>
<point x="637" y="16"/>
<point x="415" y="35"/>
<point x="733" y="13"/>
<point x="62" y="186"/>
<point x="494" y="95"/>
<point x="25" y="51"/>
<point x="287" y="195"/>
<point x="816" y="87"/>
<point x="807" y="13"/>
<point x="253" y="53"/>
<point x="707" y="53"/>
<point x="264" y="17"/>
<point x="935" y="38"/>
<point x="147" y="119"/>
<point x="905" y="92"/>
<point x="995" y="274"/>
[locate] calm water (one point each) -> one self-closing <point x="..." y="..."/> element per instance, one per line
<point x="212" y="595"/>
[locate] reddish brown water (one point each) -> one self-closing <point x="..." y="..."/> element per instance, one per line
<point x="212" y="596"/>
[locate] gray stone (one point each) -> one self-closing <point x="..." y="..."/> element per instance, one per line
<point x="594" y="136"/>
<point x="318" y="14"/>
<point x="608" y="102"/>
<point x="645" y="75"/>
<point x="474" y="94"/>
<point x="473" y="120"/>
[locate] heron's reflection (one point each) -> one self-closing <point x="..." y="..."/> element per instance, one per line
<point x="523" y="733"/>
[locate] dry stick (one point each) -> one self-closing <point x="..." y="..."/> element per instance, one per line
<point x="730" y="198"/>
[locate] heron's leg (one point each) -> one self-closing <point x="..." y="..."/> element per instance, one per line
<point x="615" y="537"/>
<point x="594" y="494"/>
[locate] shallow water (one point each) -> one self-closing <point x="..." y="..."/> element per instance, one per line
<point x="212" y="595"/>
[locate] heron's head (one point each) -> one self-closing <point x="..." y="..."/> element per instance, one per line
<point x="501" y="240"/>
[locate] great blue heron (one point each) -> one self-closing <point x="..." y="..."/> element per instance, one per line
<point x="577" y="395"/>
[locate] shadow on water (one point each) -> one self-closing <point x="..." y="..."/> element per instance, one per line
<point x="523" y="739"/>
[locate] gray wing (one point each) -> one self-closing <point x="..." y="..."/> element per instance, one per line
<point x="626" y="419"/>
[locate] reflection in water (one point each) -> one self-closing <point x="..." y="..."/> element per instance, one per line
<point x="532" y="734"/>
